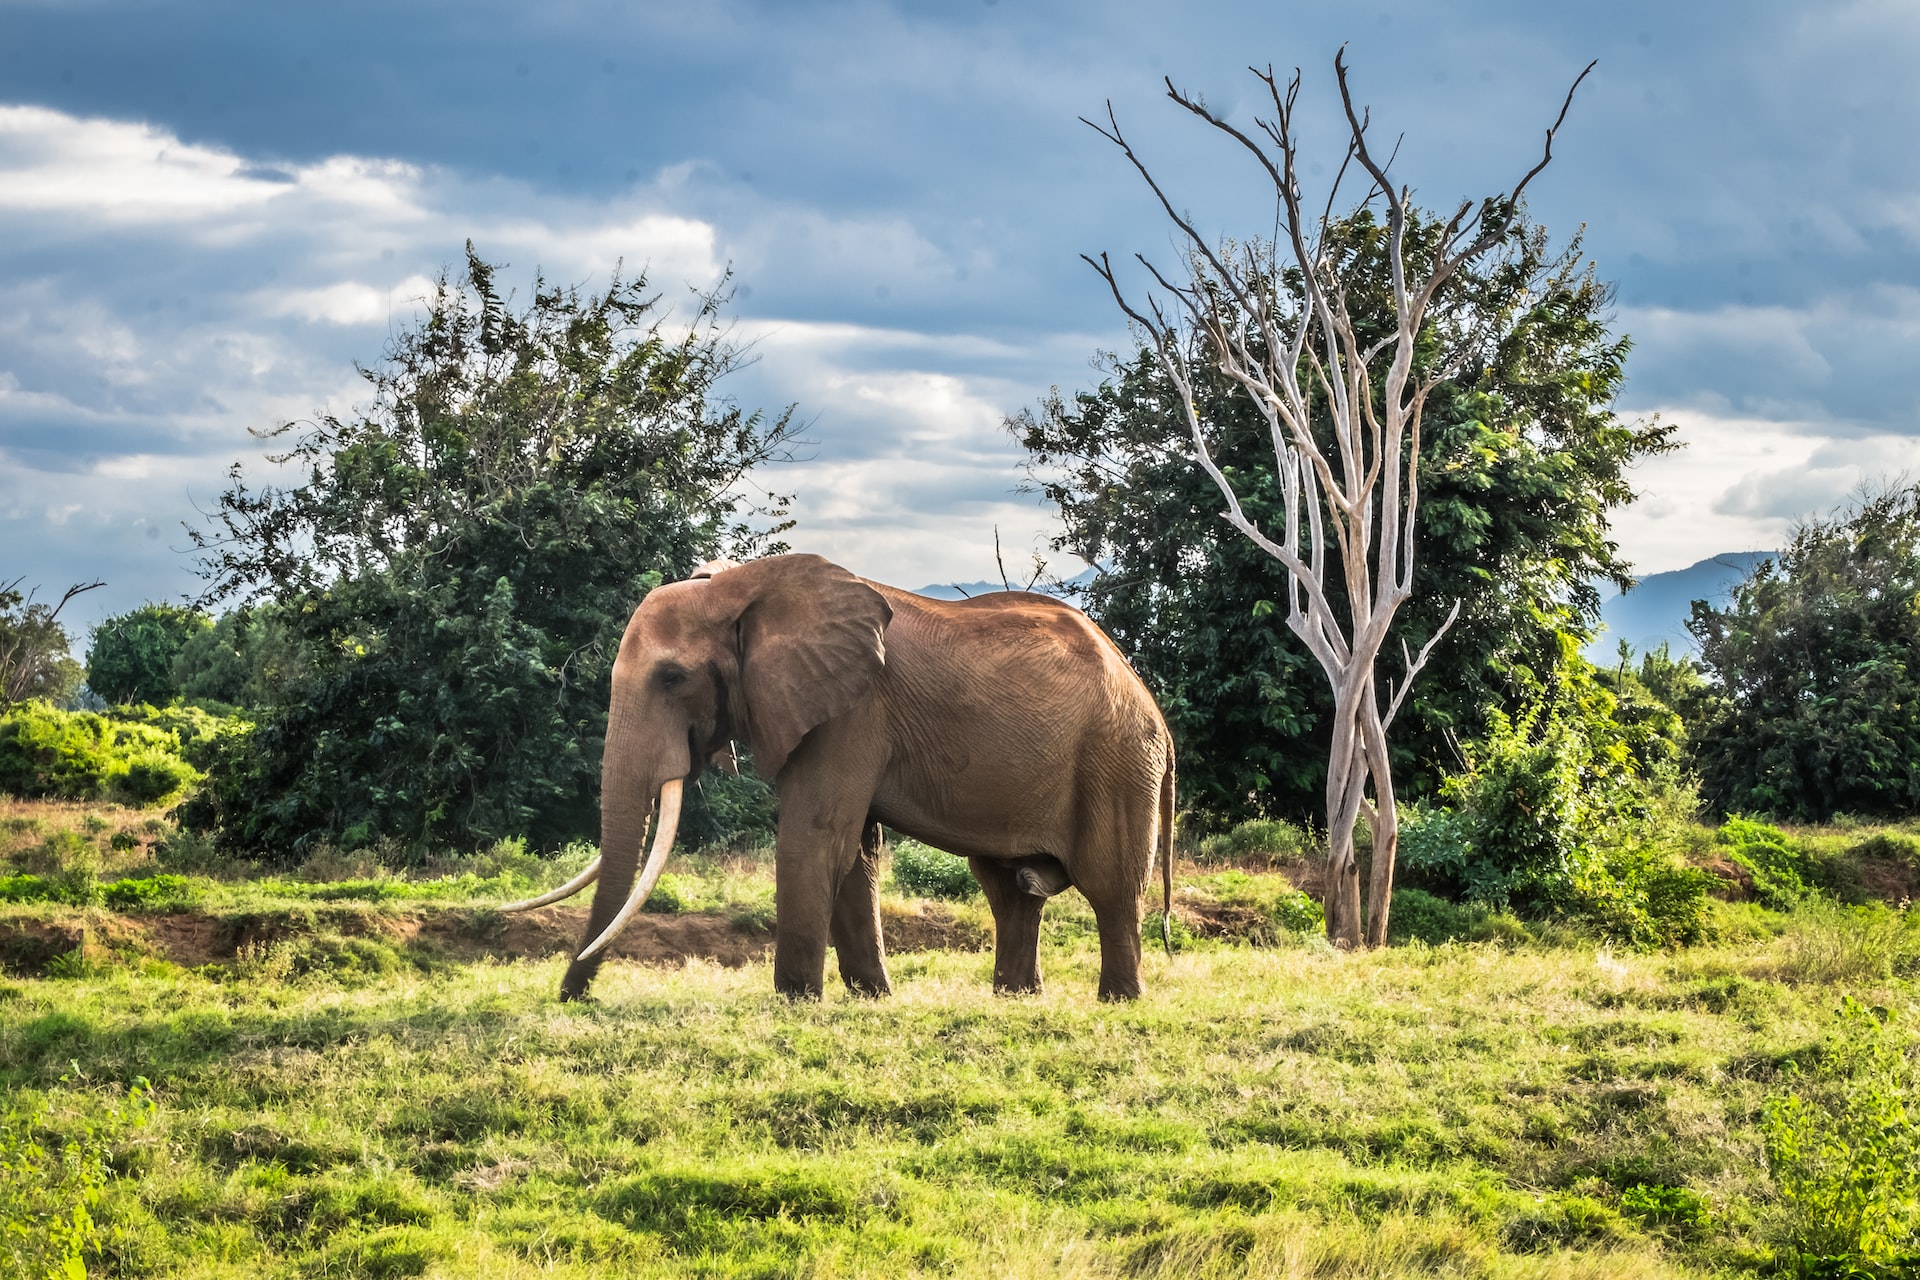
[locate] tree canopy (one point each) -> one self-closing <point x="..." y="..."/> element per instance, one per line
<point x="1817" y="661"/>
<point x="35" y="659"/>
<point x="1522" y="459"/>
<point x="459" y="557"/>
<point x="132" y="655"/>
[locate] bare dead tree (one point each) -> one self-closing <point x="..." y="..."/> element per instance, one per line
<point x="1344" y="413"/>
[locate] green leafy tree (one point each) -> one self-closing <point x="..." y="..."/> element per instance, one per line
<point x="1522" y="462"/>
<point x="132" y="655"/>
<point x="35" y="654"/>
<point x="459" y="560"/>
<point x="243" y="659"/>
<point x="1817" y="662"/>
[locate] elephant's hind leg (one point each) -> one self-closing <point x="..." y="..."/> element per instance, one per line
<point x="1016" y="926"/>
<point x="856" y="921"/>
<point x="1122" y="853"/>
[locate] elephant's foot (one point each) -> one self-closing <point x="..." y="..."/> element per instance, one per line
<point x="579" y="977"/>
<point x="1023" y="985"/>
<point x="1042" y="877"/>
<point x="868" y="988"/>
<point x="798" y="991"/>
<point x="1119" y="989"/>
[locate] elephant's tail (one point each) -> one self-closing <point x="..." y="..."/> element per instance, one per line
<point x="1166" y="857"/>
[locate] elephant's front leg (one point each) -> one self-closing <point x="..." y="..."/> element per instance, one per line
<point x="818" y="849"/>
<point x="856" y="922"/>
<point x="1016" y="926"/>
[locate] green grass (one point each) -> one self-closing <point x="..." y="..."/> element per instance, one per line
<point x="1460" y="1110"/>
<point x="337" y="1099"/>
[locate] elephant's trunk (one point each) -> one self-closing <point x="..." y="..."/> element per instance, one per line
<point x="665" y="827"/>
<point x="566" y="890"/>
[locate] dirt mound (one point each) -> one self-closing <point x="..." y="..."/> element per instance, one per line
<point x="29" y="943"/>
<point x="1735" y="881"/>
<point x="650" y="939"/>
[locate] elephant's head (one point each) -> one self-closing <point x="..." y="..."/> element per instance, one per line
<point x="763" y="651"/>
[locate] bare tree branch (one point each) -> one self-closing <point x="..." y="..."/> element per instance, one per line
<point x="1344" y="417"/>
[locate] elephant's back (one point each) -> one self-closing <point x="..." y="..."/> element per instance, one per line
<point x="1017" y="720"/>
<point x="1022" y="656"/>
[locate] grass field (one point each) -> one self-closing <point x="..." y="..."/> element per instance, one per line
<point x="348" y="1101"/>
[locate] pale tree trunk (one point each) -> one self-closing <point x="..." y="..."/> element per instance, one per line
<point x="1344" y="415"/>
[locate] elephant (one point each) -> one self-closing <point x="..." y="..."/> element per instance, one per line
<point x="1006" y="728"/>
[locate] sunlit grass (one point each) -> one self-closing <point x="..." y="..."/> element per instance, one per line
<point x="1286" y="1111"/>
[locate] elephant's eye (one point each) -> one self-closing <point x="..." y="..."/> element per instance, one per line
<point x="672" y="678"/>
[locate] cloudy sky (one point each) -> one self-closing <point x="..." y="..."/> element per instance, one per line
<point x="209" y="211"/>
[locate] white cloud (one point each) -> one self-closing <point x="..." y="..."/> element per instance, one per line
<point x="348" y="302"/>
<point x="240" y="295"/>
<point x="1740" y="483"/>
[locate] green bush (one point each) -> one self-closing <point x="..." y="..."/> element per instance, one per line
<point x="139" y="755"/>
<point x="1263" y="839"/>
<point x="152" y="775"/>
<point x="1418" y="916"/>
<point x="1783" y="872"/>
<point x="1564" y="813"/>
<point x="46" y="753"/>
<point x="671" y="895"/>
<point x="151" y="893"/>
<point x="1843" y="1146"/>
<point x="1661" y="1206"/>
<point x="75" y="888"/>
<point x="931" y="873"/>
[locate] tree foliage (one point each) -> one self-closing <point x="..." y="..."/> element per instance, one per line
<point x="1558" y="809"/>
<point x="132" y="655"/>
<point x="459" y="558"/>
<point x="1817" y="658"/>
<point x="35" y="656"/>
<point x="242" y="660"/>
<point x="1522" y="459"/>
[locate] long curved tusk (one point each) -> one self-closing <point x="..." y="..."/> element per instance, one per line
<point x="663" y="833"/>
<point x="566" y="890"/>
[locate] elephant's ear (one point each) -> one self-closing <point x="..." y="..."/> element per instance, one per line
<point x="811" y="636"/>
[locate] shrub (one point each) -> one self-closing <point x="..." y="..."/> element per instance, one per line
<point x="54" y="754"/>
<point x="671" y="895"/>
<point x="931" y="873"/>
<point x="1661" y="1206"/>
<point x="151" y="893"/>
<point x="1263" y="839"/>
<point x="1783" y="872"/>
<point x="75" y="888"/>
<point x="153" y="775"/>
<point x="1843" y="1146"/>
<point x="1888" y="846"/>
<point x="136" y="756"/>
<point x="1419" y="916"/>
<point x="1569" y="810"/>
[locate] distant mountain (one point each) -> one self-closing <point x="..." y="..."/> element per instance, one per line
<point x="1656" y="609"/>
<point x="959" y="590"/>
<point x="1659" y="605"/>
